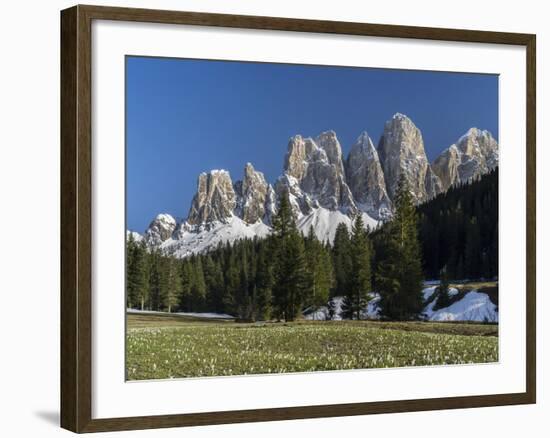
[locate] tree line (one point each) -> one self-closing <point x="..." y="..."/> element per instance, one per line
<point x="287" y="273"/>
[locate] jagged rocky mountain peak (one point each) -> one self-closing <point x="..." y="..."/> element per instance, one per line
<point x="328" y="141"/>
<point x="474" y="153"/>
<point x="254" y="196"/>
<point x="401" y="151"/>
<point x="215" y="199"/>
<point x="314" y="174"/>
<point x="365" y="179"/>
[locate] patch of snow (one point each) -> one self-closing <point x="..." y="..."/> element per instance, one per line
<point x="208" y="315"/>
<point x="475" y="306"/>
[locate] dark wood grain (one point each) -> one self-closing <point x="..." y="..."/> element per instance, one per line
<point x="531" y="218"/>
<point x="76" y="219"/>
<point x="69" y="311"/>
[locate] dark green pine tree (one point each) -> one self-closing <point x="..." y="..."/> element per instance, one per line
<point x="472" y="249"/>
<point x="213" y="278"/>
<point x="173" y="284"/>
<point x="155" y="282"/>
<point x="290" y="285"/>
<point x="198" y="286"/>
<point x="341" y="254"/>
<point x="399" y="274"/>
<point x="443" y="297"/>
<point x="186" y="279"/>
<point x="232" y="283"/>
<point x="264" y="284"/>
<point x="319" y="274"/>
<point x="358" y="295"/>
<point x="136" y="274"/>
<point x="242" y="295"/>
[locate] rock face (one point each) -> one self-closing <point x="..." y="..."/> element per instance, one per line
<point x="401" y="150"/>
<point x="215" y="199"/>
<point x="314" y="174"/>
<point x="474" y="154"/>
<point x="254" y="196"/>
<point x="160" y="229"/>
<point x="366" y="179"/>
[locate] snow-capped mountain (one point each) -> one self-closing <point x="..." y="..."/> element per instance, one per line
<point x="324" y="188"/>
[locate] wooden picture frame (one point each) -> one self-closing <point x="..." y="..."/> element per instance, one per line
<point x="76" y="218"/>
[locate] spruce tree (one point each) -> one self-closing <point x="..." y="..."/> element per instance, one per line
<point x="342" y="260"/>
<point x="184" y="301"/>
<point x="443" y="297"/>
<point x="173" y="284"/>
<point x="358" y="296"/>
<point x="213" y="278"/>
<point x="264" y="283"/>
<point x="318" y="273"/>
<point x="136" y="276"/>
<point x="399" y="274"/>
<point x="155" y="282"/>
<point x="289" y="263"/>
<point x="198" y="286"/>
<point x="232" y="283"/>
<point x="131" y="297"/>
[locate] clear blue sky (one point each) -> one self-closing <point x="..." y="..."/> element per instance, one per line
<point x="184" y="117"/>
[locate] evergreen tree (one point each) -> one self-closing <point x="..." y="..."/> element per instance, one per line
<point x="136" y="275"/>
<point x="173" y="284"/>
<point x="358" y="296"/>
<point x="198" y="286"/>
<point x="472" y="249"/>
<point x="186" y="279"/>
<point x="290" y="285"/>
<point x="213" y="277"/>
<point x="443" y="297"/>
<point x="242" y="295"/>
<point x="342" y="260"/>
<point x="232" y="283"/>
<point x="319" y="274"/>
<point x="399" y="274"/>
<point x="155" y="283"/>
<point x="331" y="307"/>
<point x="264" y="283"/>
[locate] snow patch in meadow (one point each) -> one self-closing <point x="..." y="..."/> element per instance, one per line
<point x="474" y="306"/>
<point x="208" y="315"/>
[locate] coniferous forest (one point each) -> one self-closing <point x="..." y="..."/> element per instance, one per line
<point x="454" y="235"/>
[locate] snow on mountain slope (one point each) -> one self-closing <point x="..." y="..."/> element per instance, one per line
<point x="196" y="240"/>
<point x="325" y="222"/>
<point x="188" y="240"/>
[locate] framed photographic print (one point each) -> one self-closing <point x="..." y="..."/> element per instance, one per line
<point x="269" y="218"/>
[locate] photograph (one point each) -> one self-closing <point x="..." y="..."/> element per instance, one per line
<point x="287" y="218"/>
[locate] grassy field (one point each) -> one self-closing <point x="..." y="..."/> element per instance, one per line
<point x="160" y="347"/>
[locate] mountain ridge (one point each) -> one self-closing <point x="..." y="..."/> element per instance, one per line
<point x="324" y="187"/>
